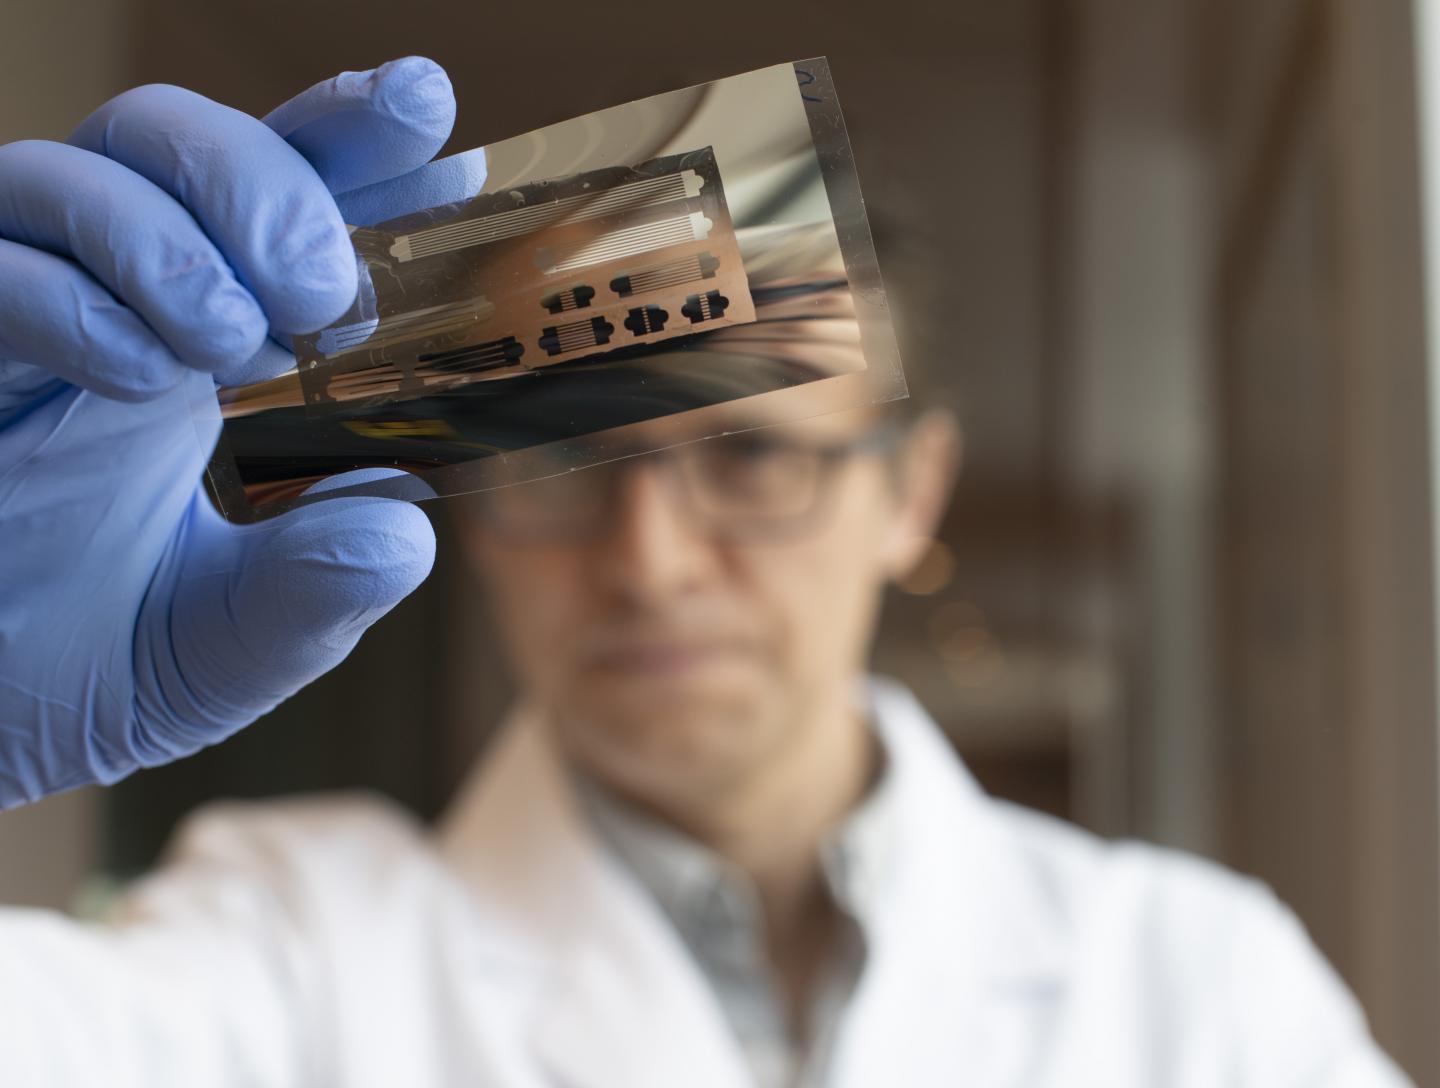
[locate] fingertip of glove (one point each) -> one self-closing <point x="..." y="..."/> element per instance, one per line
<point x="318" y="577"/>
<point x="381" y="549"/>
<point x="401" y="533"/>
<point x="445" y="181"/>
<point x="235" y="330"/>
<point x="322" y="277"/>
<point x="270" y="360"/>
<point x="418" y="91"/>
<point x="405" y="528"/>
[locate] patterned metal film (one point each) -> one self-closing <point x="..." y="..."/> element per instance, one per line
<point x="688" y="265"/>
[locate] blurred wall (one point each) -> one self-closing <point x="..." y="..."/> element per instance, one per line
<point x="1138" y="426"/>
<point x="1328" y="650"/>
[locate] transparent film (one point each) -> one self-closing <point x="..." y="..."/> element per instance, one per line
<point x="669" y="270"/>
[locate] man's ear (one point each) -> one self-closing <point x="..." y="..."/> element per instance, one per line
<point x="929" y="461"/>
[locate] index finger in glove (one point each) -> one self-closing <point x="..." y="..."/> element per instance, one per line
<point x="364" y="127"/>
<point x="256" y="197"/>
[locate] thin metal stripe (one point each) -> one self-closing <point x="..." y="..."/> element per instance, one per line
<point x="655" y="281"/>
<point x="623" y="243"/>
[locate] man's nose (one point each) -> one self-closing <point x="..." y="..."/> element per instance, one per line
<point x="651" y="549"/>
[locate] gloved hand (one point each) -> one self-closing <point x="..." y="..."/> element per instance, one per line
<point x="150" y="255"/>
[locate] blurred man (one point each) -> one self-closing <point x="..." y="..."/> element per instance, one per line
<point x="706" y="850"/>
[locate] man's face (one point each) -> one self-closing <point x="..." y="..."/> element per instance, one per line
<point x="678" y="645"/>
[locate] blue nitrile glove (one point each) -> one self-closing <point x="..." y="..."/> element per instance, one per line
<point x="147" y="256"/>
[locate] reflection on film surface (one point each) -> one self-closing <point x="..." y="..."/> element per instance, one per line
<point x="655" y="258"/>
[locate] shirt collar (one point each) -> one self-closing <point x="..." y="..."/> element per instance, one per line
<point x="953" y="863"/>
<point x="703" y="893"/>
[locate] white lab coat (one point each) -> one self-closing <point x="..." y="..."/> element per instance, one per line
<point x="331" y="942"/>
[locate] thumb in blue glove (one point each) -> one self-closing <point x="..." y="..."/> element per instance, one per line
<point x="173" y="240"/>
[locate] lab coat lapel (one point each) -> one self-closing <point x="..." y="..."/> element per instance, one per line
<point x="966" y="963"/>
<point x="621" y="1001"/>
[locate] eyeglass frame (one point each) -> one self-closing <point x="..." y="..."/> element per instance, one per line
<point x="880" y="438"/>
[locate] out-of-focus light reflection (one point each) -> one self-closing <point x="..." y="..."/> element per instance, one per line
<point x="965" y="644"/>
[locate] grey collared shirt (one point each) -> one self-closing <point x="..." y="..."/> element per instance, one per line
<point x="715" y="909"/>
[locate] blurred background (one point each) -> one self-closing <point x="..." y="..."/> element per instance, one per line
<point x="1163" y="257"/>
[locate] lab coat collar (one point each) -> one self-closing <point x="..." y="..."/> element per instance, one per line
<point x="958" y="858"/>
<point x="968" y="955"/>
<point x="966" y="950"/>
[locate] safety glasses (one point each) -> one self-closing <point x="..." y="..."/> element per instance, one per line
<point x="755" y="486"/>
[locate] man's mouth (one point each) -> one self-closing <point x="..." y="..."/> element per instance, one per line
<point x="663" y="656"/>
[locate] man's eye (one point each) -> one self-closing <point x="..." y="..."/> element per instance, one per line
<point x="742" y="459"/>
<point x="740" y="449"/>
<point x="758" y="467"/>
